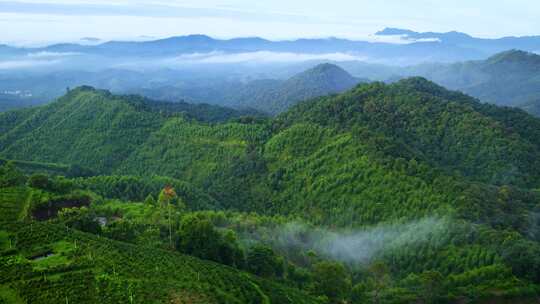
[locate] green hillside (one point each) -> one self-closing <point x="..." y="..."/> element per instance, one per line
<point x="49" y="264"/>
<point x="378" y="128"/>
<point x="87" y="121"/>
<point x="438" y="186"/>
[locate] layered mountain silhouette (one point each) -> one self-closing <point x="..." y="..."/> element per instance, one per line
<point x="441" y="47"/>
<point x="510" y="78"/>
<point x="270" y="96"/>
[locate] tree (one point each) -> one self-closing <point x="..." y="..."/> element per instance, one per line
<point x="150" y="200"/>
<point x="199" y="238"/>
<point x="62" y="185"/>
<point x="164" y="200"/>
<point x="379" y="280"/>
<point x="359" y="293"/>
<point x="431" y="282"/>
<point x="80" y="218"/>
<point x="122" y="230"/>
<point x="332" y="280"/>
<point x="230" y="252"/>
<point x="301" y="276"/>
<point x="263" y="261"/>
<point x="79" y="171"/>
<point x="10" y="176"/>
<point x="39" y="181"/>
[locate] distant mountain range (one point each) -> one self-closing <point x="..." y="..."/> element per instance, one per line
<point x="324" y="79"/>
<point x="421" y="47"/>
<point x="271" y="96"/>
<point x="201" y="69"/>
<point x="509" y="78"/>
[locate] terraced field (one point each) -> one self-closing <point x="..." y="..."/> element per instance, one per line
<point x="14" y="203"/>
<point x="52" y="264"/>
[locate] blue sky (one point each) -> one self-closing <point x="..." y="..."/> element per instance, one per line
<point x="41" y="21"/>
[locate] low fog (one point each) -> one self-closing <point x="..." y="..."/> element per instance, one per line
<point x="353" y="246"/>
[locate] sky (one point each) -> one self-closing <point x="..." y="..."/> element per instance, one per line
<point x="34" y="22"/>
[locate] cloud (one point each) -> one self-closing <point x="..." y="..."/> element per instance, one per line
<point x="148" y="9"/>
<point x="358" y="246"/>
<point x="25" y="64"/>
<point x="262" y="57"/>
<point x="52" y="54"/>
<point x="425" y="40"/>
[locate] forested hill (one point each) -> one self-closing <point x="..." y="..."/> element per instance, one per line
<point x="128" y="134"/>
<point x="271" y="96"/>
<point x="410" y="122"/>
<point x="446" y="129"/>
<point x="378" y="154"/>
<point x="321" y="80"/>
<point x="510" y="78"/>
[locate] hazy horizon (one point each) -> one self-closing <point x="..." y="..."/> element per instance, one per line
<point x="38" y="22"/>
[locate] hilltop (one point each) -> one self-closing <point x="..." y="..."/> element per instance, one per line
<point x="377" y="155"/>
<point x="510" y="78"/>
<point x="323" y="79"/>
<point x="414" y="120"/>
<point x="271" y="96"/>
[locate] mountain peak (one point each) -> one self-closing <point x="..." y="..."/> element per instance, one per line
<point x="513" y="56"/>
<point x="328" y="70"/>
<point x="452" y="36"/>
<point x="391" y="31"/>
<point x="327" y="67"/>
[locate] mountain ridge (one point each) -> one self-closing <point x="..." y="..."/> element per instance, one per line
<point x="510" y="78"/>
<point x="455" y="46"/>
<point x="376" y="156"/>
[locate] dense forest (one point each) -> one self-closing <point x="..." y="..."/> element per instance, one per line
<point x="387" y="193"/>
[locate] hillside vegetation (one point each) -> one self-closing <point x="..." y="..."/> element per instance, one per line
<point x="385" y="193"/>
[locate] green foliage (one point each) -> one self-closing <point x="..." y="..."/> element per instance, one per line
<point x="10" y="176"/>
<point x="198" y="237"/>
<point x="263" y="261"/>
<point x="377" y="156"/>
<point x="149" y="200"/>
<point x="133" y="188"/>
<point x="331" y="280"/>
<point x="39" y="181"/>
<point x="97" y="270"/>
<point x="14" y="204"/>
<point x="81" y="219"/>
<point x="29" y="167"/>
<point x="436" y="125"/>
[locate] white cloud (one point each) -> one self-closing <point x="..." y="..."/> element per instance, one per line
<point x="262" y="57"/>
<point x="426" y="40"/>
<point x="61" y="20"/>
<point x="52" y="54"/>
<point x="25" y="64"/>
